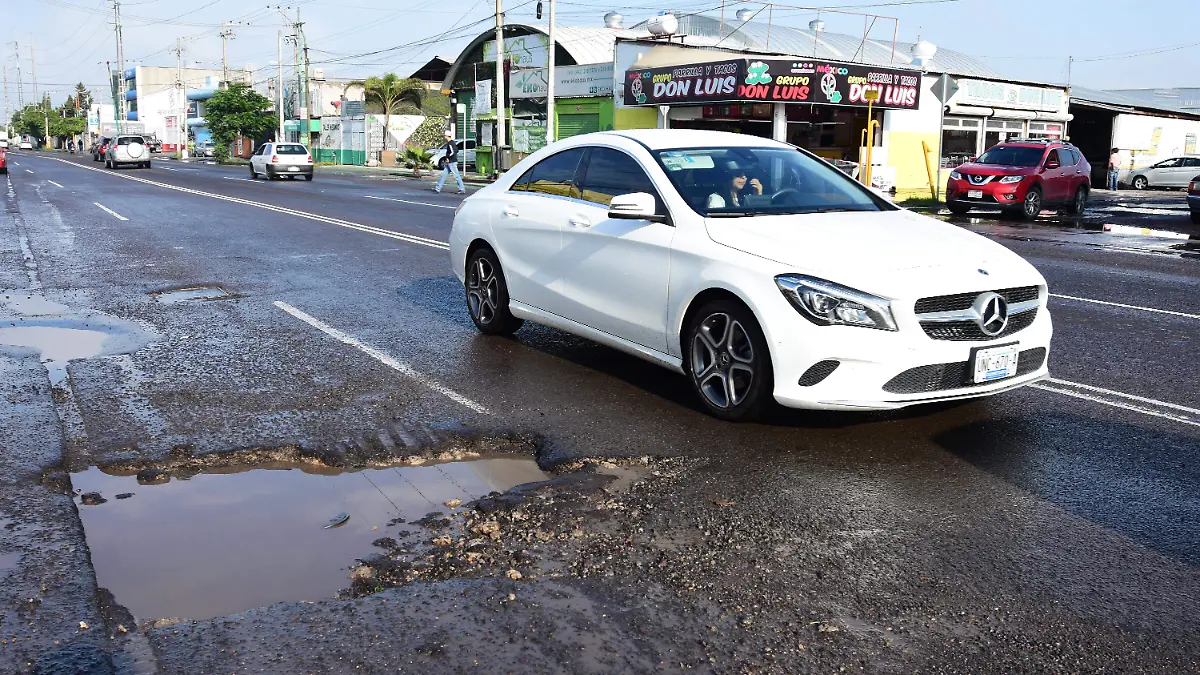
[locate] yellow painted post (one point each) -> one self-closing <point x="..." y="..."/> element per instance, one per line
<point x="872" y="95"/>
<point x="929" y="170"/>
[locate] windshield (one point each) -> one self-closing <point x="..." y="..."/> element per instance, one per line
<point x="290" y="149"/>
<point x="732" y="182"/>
<point x="1011" y="155"/>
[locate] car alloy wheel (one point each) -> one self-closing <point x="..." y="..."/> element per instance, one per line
<point x="1141" y="183"/>
<point x="1032" y="205"/>
<point x="487" y="295"/>
<point x="728" y="362"/>
<point x="1080" y="204"/>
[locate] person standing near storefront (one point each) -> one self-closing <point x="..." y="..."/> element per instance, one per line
<point x="450" y="166"/>
<point x="1114" y="168"/>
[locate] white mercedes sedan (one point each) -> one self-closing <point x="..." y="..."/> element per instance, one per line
<point x="756" y="269"/>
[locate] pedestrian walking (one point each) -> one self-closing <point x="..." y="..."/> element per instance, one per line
<point x="450" y="166"/>
<point x="1114" y="168"/>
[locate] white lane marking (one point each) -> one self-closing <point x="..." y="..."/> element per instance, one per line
<point x="1117" y="404"/>
<point x="235" y="178"/>
<point x="1118" y="304"/>
<point x="1110" y="392"/>
<point x="28" y="171"/>
<point x="167" y="168"/>
<point x="110" y="211"/>
<point x="383" y="358"/>
<point x="410" y="238"/>
<point x="15" y="164"/>
<point x="53" y="183"/>
<point x="405" y="201"/>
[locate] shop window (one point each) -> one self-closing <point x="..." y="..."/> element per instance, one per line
<point x="958" y="146"/>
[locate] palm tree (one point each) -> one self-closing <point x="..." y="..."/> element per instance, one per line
<point x="393" y="93"/>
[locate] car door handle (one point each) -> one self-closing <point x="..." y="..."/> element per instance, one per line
<point x="511" y="211"/>
<point x="579" y="221"/>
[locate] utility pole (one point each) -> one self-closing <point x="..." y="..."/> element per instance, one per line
<point x="279" y="89"/>
<point x="226" y="34"/>
<point x="20" y="87"/>
<point x="120" y="64"/>
<point x="499" y="85"/>
<point x="306" y="126"/>
<point x="181" y="103"/>
<point x="33" y="69"/>
<point x="550" y="78"/>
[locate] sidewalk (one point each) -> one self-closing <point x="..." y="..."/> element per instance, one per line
<point x="398" y="173"/>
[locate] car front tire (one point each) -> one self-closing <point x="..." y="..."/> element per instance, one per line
<point x="487" y="295"/>
<point x="1140" y="183"/>
<point x="253" y="173"/>
<point x="727" y="361"/>
<point x="958" y="209"/>
<point x="1032" y="205"/>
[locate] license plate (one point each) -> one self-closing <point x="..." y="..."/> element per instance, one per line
<point x="996" y="363"/>
<point x="974" y="194"/>
<point x="293" y="168"/>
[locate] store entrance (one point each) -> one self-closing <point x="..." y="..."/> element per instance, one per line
<point x="744" y="127"/>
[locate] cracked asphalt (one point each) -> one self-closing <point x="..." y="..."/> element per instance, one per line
<point x="1051" y="529"/>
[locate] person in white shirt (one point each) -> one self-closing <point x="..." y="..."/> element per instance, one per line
<point x="730" y="197"/>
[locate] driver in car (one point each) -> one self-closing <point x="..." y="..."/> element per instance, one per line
<point x="734" y="187"/>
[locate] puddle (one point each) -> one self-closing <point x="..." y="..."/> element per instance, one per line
<point x="220" y="543"/>
<point x="26" y="304"/>
<point x="57" y="345"/>
<point x="195" y="293"/>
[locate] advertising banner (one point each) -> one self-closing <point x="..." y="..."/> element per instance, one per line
<point x="483" y="97"/>
<point x="774" y="80"/>
<point x="570" y="81"/>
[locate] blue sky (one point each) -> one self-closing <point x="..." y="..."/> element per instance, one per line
<point x="1027" y="39"/>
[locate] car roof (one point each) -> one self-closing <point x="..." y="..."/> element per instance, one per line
<point x="664" y="139"/>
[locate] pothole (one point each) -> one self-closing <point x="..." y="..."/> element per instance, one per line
<point x="178" y="295"/>
<point x="58" y="345"/>
<point x="30" y="304"/>
<point x="215" y="544"/>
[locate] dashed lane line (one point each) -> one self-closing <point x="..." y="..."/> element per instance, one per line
<point x="53" y="183"/>
<point x="28" y="171"/>
<point x="236" y="178"/>
<point x="400" y="236"/>
<point x="1124" y="306"/>
<point x="405" y="201"/>
<point x="383" y="357"/>
<point x="110" y="211"/>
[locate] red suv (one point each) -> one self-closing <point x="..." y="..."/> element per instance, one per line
<point x="1022" y="177"/>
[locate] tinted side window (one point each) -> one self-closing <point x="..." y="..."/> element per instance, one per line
<point x="610" y="173"/>
<point x="1191" y="162"/>
<point x="554" y="175"/>
<point x="1068" y="157"/>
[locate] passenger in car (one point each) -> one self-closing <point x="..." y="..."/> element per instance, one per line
<point x="734" y="186"/>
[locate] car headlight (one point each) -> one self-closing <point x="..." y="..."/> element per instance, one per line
<point x="956" y="175"/>
<point x="1012" y="179"/>
<point x="828" y="304"/>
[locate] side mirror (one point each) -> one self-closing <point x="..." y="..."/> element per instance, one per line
<point x="1052" y="164"/>
<point x="635" y="206"/>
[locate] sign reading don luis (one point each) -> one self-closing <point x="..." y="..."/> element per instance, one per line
<point x="1007" y="95"/>
<point x="787" y="81"/>
<point x="571" y="81"/>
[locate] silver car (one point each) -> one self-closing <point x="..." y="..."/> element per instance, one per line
<point x="127" y="150"/>
<point x="1174" y="173"/>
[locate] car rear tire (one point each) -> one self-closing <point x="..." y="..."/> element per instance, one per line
<point x="1079" y="204"/>
<point x="958" y="209"/>
<point x="727" y="361"/>
<point x="308" y="177"/>
<point x="1140" y="183"/>
<point x="487" y="295"/>
<point x="1032" y="205"/>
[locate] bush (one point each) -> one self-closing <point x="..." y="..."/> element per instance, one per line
<point x="417" y="158"/>
<point x="430" y="133"/>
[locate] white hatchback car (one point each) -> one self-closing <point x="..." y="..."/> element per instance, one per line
<point x="753" y="267"/>
<point x="281" y="159"/>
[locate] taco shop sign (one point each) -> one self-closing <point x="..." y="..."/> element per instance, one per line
<point x="776" y="81"/>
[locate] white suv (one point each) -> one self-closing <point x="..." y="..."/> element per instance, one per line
<point x="127" y="150"/>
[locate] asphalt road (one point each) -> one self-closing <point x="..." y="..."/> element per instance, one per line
<point x="1056" y="528"/>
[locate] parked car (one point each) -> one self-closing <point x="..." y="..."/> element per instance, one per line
<point x="466" y="152"/>
<point x="1194" y="199"/>
<point x="281" y="159"/>
<point x="127" y="150"/>
<point x="3" y="160"/>
<point x="1169" y="173"/>
<point x="153" y="143"/>
<point x="98" y="149"/>
<point x="3" y="144"/>
<point x="204" y="149"/>
<point x="26" y="145"/>
<point x="1022" y="177"/>
<point x="809" y="290"/>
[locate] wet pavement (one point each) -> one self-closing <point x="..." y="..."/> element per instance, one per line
<point x="1052" y="529"/>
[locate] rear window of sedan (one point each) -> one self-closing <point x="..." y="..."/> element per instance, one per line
<point x="126" y="140"/>
<point x="290" y="149"/>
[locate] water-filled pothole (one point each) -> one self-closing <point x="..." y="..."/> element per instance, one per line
<point x="57" y="344"/>
<point x="220" y="543"/>
<point x="192" y="293"/>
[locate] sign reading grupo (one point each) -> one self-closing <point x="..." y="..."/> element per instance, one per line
<point x="799" y="81"/>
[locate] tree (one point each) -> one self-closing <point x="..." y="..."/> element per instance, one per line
<point x="394" y="94"/>
<point x="417" y="158"/>
<point x="83" y="98"/>
<point x="236" y="111"/>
